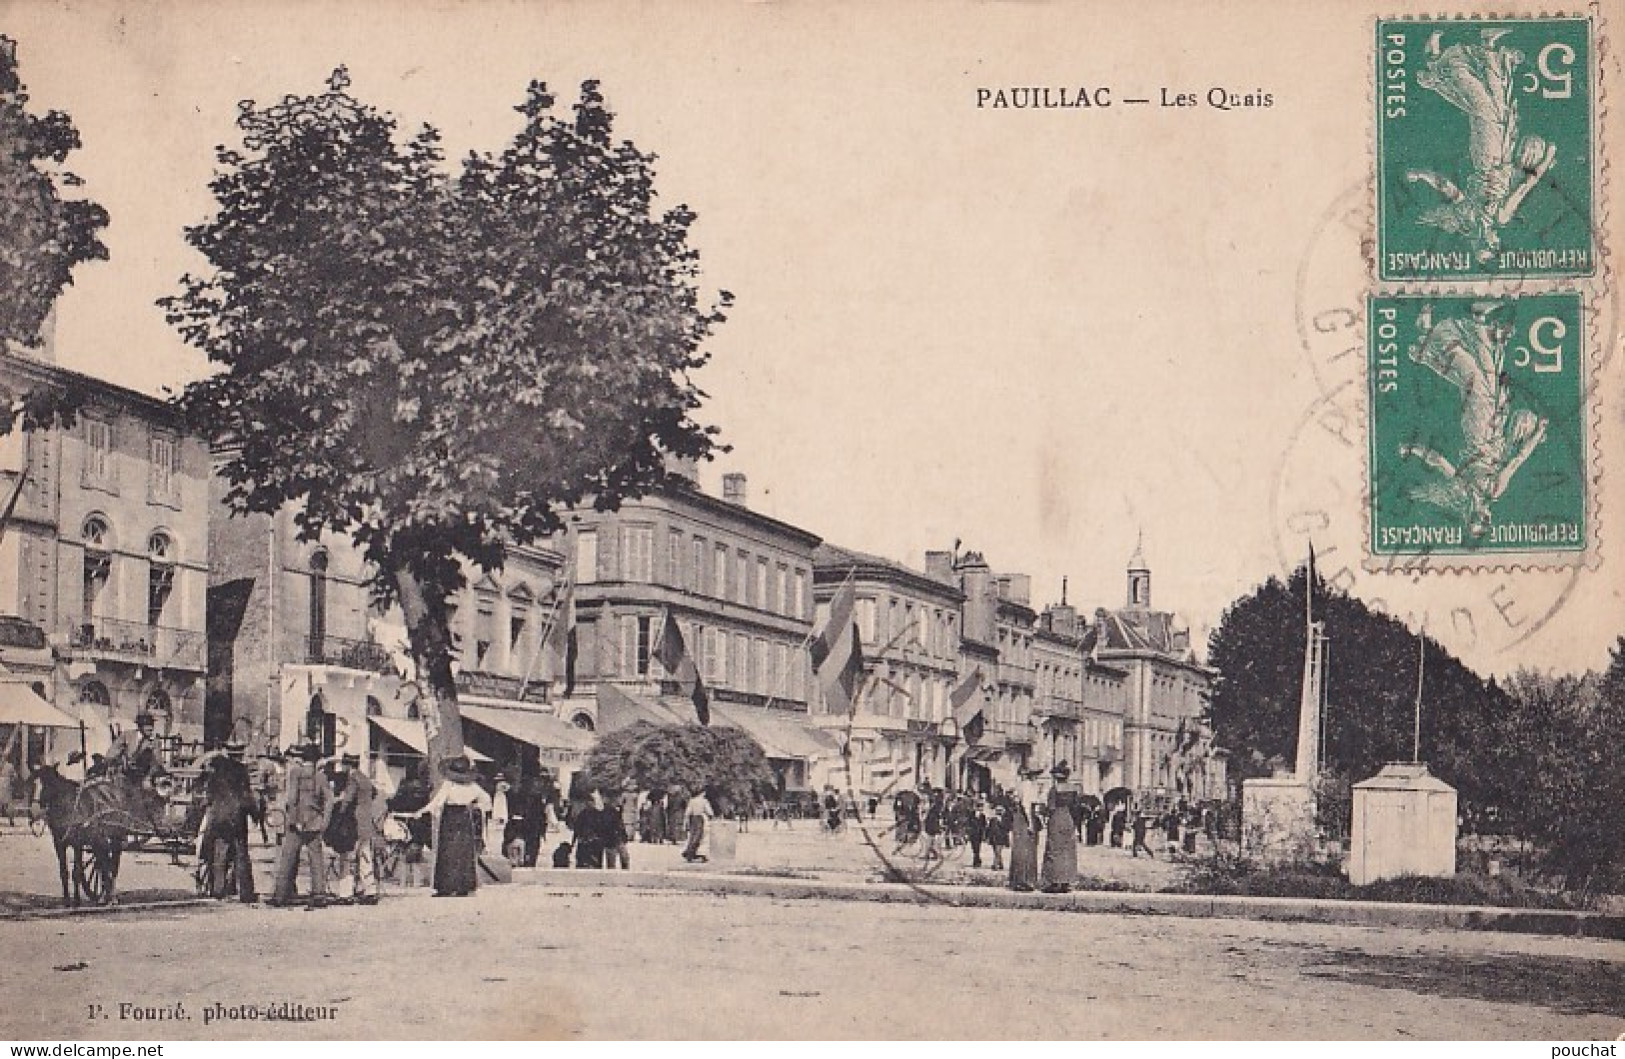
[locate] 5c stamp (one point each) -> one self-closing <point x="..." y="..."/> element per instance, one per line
<point x="1485" y="149"/>
<point x="1478" y="429"/>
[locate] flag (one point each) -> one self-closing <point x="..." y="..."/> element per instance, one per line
<point x="966" y="699"/>
<point x="559" y="648"/>
<point x="837" y="651"/>
<point x="673" y="654"/>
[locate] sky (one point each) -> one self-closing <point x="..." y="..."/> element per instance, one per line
<point x="1042" y="333"/>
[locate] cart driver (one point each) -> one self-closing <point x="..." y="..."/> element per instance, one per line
<point x="134" y="757"/>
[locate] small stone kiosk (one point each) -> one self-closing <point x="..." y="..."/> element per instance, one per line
<point x="1404" y="824"/>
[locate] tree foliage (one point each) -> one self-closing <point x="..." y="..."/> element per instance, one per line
<point x="726" y="762"/>
<point x="1562" y="748"/>
<point x="43" y="235"/>
<point x="1371" y="688"/>
<point x="437" y="362"/>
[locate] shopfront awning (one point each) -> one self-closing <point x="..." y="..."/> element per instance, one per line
<point x="540" y="730"/>
<point x="21" y="704"/>
<point x="782" y="737"/>
<point x="618" y="709"/>
<point x="412" y="736"/>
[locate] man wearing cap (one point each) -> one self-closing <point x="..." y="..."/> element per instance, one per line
<point x="133" y="761"/>
<point x="229" y="794"/>
<point x="358" y="876"/>
<point x="306" y="802"/>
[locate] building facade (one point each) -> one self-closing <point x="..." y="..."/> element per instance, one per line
<point x="909" y="626"/>
<point x="299" y="650"/>
<point x="104" y="564"/>
<point x="1168" y="752"/>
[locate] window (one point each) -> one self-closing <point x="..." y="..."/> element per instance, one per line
<point x="798" y="675"/>
<point x="94" y="692"/>
<point x="741" y="661"/>
<point x="318" y="604"/>
<point x="781" y="669"/>
<point x="98" y="538"/>
<point x="781" y="592"/>
<point x="798" y="597"/>
<point x="160" y="575"/>
<point x="758" y="666"/>
<point x="866" y="620"/>
<point x="99" y="465"/>
<point x="637" y="553"/>
<point x="674" y="559"/>
<point x="741" y="577"/>
<point x="719" y="572"/>
<point x="635" y="646"/>
<point x="697" y="566"/>
<point x="485" y="617"/>
<point x="719" y="671"/>
<point x="763" y="585"/>
<point x="163" y="461"/>
<point x="586" y="557"/>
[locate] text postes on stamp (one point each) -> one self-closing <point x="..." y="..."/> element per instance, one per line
<point x="1485" y="149"/>
<point x="1478" y="429"/>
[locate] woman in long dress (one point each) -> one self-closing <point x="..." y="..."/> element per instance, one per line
<point x="459" y="809"/>
<point x="1023" y="850"/>
<point x="1061" y="841"/>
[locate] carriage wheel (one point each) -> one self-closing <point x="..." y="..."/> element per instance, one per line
<point x="95" y="882"/>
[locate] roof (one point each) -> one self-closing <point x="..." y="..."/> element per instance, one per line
<point x="1138" y="630"/>
<point x="834" y="561"/>
<point x="1405" y="776"/>
<point x="51" y="374"/>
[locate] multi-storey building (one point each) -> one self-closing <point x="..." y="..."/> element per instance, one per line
<point x="909" y="629"/>
<point x="1081" y="702"/>
<point x="104" y="564"/>
<point x="999" y="628"/>
<point x="1167" y="748"/>
<point x="298" y="650"/>
<point x="739" y="585"/>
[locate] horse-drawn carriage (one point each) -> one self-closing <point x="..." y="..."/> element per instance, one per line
<point x="103" y="817"/>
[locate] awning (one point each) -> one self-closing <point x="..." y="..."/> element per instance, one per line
<point x="982" y="753"/>
<point x="412" y="735"/>
<point x="617" y="710"/>
<point x="781" y="737"/>
<point x="540" y="730"/>
<point x="21" y="704"/>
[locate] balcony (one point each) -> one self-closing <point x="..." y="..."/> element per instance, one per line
<point x="138" y="644"/>
<point x="1056" y="706"/>
<point x="348" y="654"/>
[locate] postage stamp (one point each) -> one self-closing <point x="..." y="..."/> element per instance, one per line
<point x="1478" y="428"/>
<point x="1486" y="147"/>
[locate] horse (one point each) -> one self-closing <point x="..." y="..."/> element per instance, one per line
<point x="90" y="818"/>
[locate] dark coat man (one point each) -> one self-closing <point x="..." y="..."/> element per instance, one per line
<point x="306" y="803"/>
<point x="229" y="791"/>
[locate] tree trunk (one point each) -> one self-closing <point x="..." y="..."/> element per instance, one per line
<point x="430" y="640"/>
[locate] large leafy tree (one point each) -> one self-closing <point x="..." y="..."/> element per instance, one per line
<point x="1562" y="751"/>
<point x="726" y="762"/>
<point x="437" y="362"/>
<point x="43" y="233"/>
<point x="1371" y="689"/>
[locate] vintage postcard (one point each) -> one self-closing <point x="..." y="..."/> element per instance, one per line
<point x="621" y="521"/>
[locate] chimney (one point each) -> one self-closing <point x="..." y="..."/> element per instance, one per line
<point x="733" y="488"/>
<point x="981" y="596"/>
<point x="685" y="466"/>
<point x="939" y="566"/>
<point x="1017" y="588"/>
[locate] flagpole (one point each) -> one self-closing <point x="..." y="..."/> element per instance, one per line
<point x="547" y="633"/>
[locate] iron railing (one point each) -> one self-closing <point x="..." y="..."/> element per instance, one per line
<point x="347" y="653"/>
<point x="157" y="645"/>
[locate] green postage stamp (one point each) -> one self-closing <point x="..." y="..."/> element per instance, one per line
<point x="1478" y="428"/>
<point x="1486" y="148"/>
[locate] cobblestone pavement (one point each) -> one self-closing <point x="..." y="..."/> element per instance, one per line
<point x="524" y="961"/>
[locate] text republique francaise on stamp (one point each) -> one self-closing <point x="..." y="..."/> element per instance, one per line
<point x="1486" y="149"/>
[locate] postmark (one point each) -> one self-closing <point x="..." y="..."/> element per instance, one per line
<point x="1478" y="429"/>
<point x="1486" y="148"/>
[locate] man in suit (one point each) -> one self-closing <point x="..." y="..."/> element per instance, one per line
<point x="307" y="802"/>
<point x="358" y="876"/>
<point x="229" y="793"/>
